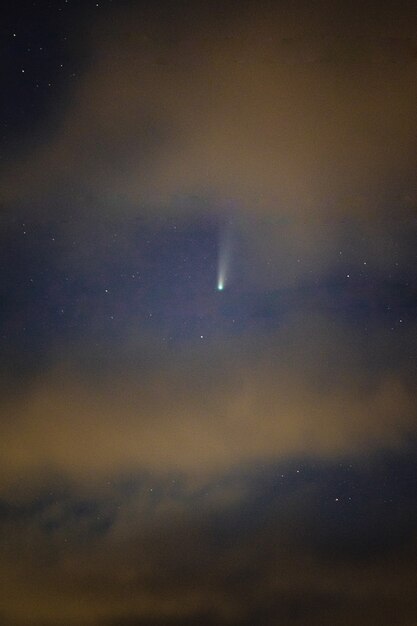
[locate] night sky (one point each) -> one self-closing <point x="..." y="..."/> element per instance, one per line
<point x="208" y="313"/>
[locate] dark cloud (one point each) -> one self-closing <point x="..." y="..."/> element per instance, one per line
<point x="164" y="552"/>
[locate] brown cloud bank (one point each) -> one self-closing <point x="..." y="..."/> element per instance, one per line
<point x="300" y="110"/>
<point x="310" y="389"/>
<point x="162" y="554"/>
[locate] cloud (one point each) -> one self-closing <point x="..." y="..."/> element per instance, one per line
<point x="291" y="111"/>
<point x="307" y="390"/>
<point x="164" y="553"/>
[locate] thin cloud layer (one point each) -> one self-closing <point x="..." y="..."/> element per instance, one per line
<point x="211" y="408"/>
<point x="276" y="109"/>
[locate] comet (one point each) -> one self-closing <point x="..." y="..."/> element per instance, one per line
<point x="225" y="250"/>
